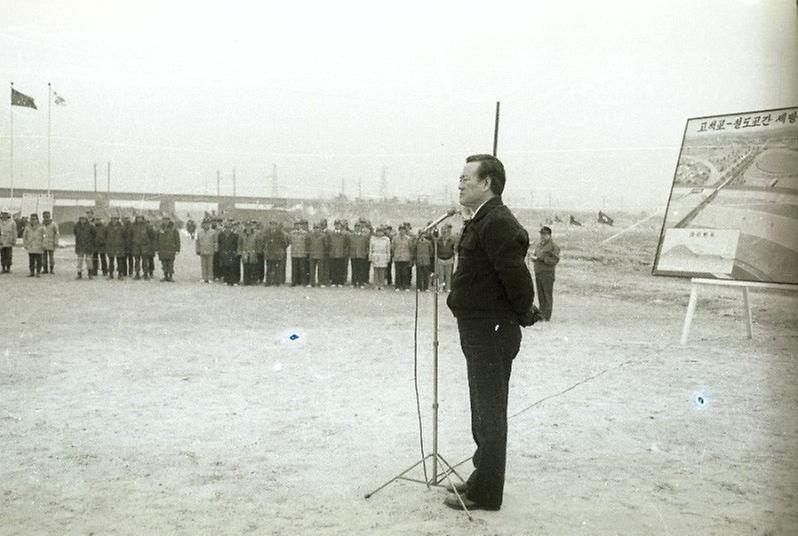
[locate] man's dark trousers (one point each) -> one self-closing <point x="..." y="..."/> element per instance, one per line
<point x="545" y="283"/>
<point x="489" y="347"/>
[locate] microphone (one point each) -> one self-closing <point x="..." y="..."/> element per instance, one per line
<point x="449" y="213"/>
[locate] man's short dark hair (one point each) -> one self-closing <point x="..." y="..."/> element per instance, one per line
<point x="490" y="166"/>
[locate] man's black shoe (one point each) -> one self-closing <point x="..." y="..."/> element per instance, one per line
<point x="453" y="502"/>
<point x="460" y="487"/>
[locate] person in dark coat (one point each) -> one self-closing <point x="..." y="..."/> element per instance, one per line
<point x="491" y="298"/>
<point x="318" y="249"/>
<point x="274" y="246"/>
<point x="545" y="255"/>
<point x="115" y="248"/>
<point x="168" y="248"/>
<point x="339" y="254"/>
<point x="127" y="228"/>
<point x="84" y="246"/>
<point x="423" y="259"/>
<point x="359" y="254"/>
<point x="260" y="246"/>
<point x="140" y="243"/>
<point x="228" y="253"/>
<point x="99" y="259"/>
<point x="300" y="243"/>
<point x="148" y="251"/>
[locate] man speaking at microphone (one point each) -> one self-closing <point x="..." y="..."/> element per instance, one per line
<point x="491" y="297"/>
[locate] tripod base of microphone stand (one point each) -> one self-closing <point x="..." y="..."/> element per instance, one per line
<point x="435" y="480"/>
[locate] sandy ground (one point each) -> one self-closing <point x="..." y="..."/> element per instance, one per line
<point x="132" y="407"/>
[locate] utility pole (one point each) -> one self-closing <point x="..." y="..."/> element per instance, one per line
<point x="109" y="178"/>
<point x="95" y="177"/>
<point x="218" y="184"/>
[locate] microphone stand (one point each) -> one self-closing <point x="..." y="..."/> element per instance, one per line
<point x="435" y="479"/>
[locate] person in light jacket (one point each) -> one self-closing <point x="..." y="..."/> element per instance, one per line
<point x="207" y="245"/>
<point x="404" y="251"/>
<point x="380" y="256"/>
<point x="33" y="240"/>
<point x="8" y="237"/>
<point x="51" y="235"/>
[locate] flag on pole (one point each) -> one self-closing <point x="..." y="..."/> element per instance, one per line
<point x="20" y="99"/>
<point x="58" y="100"/>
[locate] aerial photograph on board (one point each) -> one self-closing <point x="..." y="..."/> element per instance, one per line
<point x="733" y="208"/>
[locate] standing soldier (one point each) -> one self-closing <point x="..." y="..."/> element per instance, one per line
<point x="115" y="247"/>
<point x="248" y="249"/>
<point x="33" y="240"/>
<point x="339" y="253"/>
<point x="22" y="223"/>
<point x="50" y="243"/>
<point x="391" y="234"/>
<point x="546" y="255"/>
<point x="444" y="264"/>
<point x="274" y="247"/>
<point x="8" y="237"/>
<point x="127" y="233"/>
<point x="359" y="253"/>
<point x="299" y="254"/>
<point x="98" y="259"/>
<point x="324" y="265"/>
<point x="216" y="226"/>
<point x="423" y="261"/>
<point x="403" y="247"/>
<point x="84" y="245"/>
<point x="260" y="244"/>
<point x="148" y="251"/>
<point x="207" y="246"/>
<point x="318" y="246"/>
<point x="139" y="244"/>
<point x="228" y="253"/>
<point x="238" y="228"/>
<point x="168" y="248"/>
<point x="191" y="227"/>
<point x="282" y="273"/>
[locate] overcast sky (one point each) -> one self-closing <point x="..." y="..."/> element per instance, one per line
<point x="594" y="95"/>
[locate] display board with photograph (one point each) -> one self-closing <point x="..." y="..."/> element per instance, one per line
<point x="733" y="208"/>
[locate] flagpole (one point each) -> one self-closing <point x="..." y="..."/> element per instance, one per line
<point x="12" y="146"/>
<point x="49" y="129"/>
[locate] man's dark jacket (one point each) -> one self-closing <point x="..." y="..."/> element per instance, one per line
<point x="492" y="280"/>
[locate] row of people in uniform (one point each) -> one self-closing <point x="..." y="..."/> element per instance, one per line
<point x="125" y="247"/>
<point x="247" y="252"/>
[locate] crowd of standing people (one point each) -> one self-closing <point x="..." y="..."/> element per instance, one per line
<point x="120" y="246"/>
<point x="250" y="253"/>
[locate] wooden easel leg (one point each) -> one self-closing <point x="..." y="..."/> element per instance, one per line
<point x="688" y="318"/>
<point x="747" y="313"/>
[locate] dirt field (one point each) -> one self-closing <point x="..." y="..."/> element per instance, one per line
<point x="133" y="407"/>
